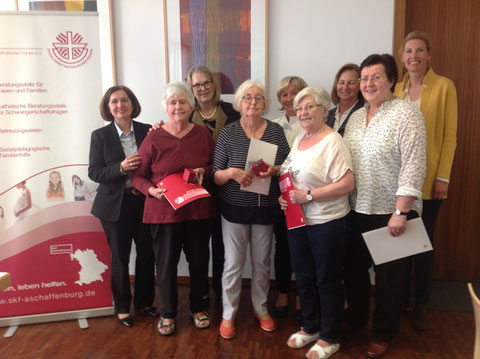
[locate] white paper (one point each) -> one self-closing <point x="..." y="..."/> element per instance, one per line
<point x="260" y="150"/>
<point x="385" y="248"/>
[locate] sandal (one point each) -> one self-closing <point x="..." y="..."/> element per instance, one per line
<point x="302" y="340"/>
<point x="202" y="321"/>
<point x="317" y="351"/>
<point x="170" y="326"/>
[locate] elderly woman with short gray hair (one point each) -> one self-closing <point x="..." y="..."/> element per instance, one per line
<point x="247" y="217"/>
<point x="177" y="145"/>
<point x="321" y="170"/>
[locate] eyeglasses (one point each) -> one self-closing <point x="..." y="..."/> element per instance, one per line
<point x="308" y="108"/>
<point x="374" y="78"/>
<point x="249" y="99"/>
<point x="207" y="85"/>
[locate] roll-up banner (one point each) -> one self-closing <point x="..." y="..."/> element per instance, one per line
<point x="50" y="89"/>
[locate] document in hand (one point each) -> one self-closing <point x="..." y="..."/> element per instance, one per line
<point x="293" y="213"/>
<point x="178" y="193"/>
<point x="385" y="248"/>
<point x="259" y="150"/>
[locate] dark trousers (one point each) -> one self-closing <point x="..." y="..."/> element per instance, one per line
<point x="423" y="262"/>
<point x="119" y="237"/>
<point x="218" y="256"/>
<point x="168" y="241"/>
<point x="283" y="267"/>
<point x="317" y="254"/>
<point x="390" y="281"/>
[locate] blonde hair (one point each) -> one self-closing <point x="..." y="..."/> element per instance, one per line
<point x="51" y="186"/>
<point x="204" y="70"/>
<point x="296" y="81"/>
<point x="416" y="35"/>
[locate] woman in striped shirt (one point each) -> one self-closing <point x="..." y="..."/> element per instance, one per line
<point x="247" y="217"/>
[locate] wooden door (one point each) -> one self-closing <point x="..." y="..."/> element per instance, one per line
<point x="454" y="31"/>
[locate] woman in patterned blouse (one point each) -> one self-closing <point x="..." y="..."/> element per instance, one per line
<point x="387" y="142"/>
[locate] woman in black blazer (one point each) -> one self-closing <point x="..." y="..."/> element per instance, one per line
<point x="113" y="155"/>
<point x="346" y="96"/>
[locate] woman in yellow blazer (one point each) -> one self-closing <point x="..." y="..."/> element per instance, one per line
<point x="436" y="98"/>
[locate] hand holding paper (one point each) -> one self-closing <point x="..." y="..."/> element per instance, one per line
<point x="259" y="150"/>
<point x="385" y="248"/>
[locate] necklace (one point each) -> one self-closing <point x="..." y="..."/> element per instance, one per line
<point x="307" y="137"/>
<point x="208" y="117"/>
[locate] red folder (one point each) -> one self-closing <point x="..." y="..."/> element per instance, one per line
<point x="178" y="193"/>
<point x="293" y="212"/>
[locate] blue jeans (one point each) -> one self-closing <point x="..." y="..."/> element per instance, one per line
<point x="317" y="256"/>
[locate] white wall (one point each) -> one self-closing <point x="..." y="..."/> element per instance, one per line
<point x="313" y="39"/>
<point x="308" y="38"/>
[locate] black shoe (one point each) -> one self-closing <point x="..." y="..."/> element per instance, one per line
<point x="281" y="311"/>
<point x="150" y="311"/>
<point x="127" y="321"/>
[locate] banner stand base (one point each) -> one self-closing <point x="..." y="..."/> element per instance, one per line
<point x="83" y="323"/>
<point x="10" y="331"/>
<point x="80" y="315"/>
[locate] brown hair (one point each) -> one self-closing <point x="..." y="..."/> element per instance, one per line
<point x="346" y="67"/>
<point x="105" y="110"/>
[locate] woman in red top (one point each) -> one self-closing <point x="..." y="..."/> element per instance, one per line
<point x="177" y="145"/>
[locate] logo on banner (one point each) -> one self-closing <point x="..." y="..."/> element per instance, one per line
<point x="70" y="51"/>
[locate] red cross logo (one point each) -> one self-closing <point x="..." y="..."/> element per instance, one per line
<point x="70" y="49"/>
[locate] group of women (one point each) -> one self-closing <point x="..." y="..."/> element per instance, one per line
<point x="370" y="178"/>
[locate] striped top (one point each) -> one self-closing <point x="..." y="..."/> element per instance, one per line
<point x="232" y="150"/>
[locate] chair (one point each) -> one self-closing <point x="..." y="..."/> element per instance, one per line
<point x="476" y="311"/>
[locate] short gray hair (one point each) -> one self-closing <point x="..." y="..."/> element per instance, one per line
<point x="243" y="88"/>
<point x="175" y="89"/>
<point x="320" y="96"/>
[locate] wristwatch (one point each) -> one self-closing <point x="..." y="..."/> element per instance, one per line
<point x="400" y="213"/>
<point x="309" y="196"/>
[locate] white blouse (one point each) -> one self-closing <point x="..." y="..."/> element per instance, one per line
<point x="389" y="157"/>
<point x="322" y="164"/>
<point x="292" y="129"/>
